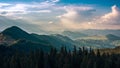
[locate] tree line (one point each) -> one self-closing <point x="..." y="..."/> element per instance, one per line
<point x="77" y="58"/>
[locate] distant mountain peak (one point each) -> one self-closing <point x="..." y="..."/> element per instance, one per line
<point x="15" y="32"/>
<point x="12" y="28"/>
<point x="15" y="27"/>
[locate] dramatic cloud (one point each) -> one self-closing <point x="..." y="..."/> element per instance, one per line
<point x="112" y="17"/>
<point x="109" y="20"/>
<point x="83" y="18"/>
<point x="76" y="16"/>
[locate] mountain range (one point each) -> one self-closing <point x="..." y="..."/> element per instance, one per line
<point x="15" y="38"/>
<point x="18" y="39"/>
<point x="90" y="32"/>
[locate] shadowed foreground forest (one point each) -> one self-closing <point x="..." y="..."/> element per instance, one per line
<point x="64" y="58"/>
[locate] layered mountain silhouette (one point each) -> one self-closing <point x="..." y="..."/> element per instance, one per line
<point x="18" y="39"/>
<point x="90" y="32"/>
<point x="57" y="40"/>
<point x="15" y="38"/>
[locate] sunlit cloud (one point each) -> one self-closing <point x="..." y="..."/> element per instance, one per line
<point x="74" y="18"/>
<point x="109" y="20"/>
<point x="112" y="17"/>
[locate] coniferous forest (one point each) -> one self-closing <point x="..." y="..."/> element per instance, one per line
<point x="78" y="58"/>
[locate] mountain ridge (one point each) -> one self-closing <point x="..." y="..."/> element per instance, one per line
<point x="90" y="32"/>
<point x="16" y="34"/>
<point x="13" y="36"/>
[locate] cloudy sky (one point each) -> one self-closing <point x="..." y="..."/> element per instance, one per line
<point x="58" y="15"/>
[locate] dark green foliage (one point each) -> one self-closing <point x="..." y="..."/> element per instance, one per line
<point x="27" y="46"/>
<point x="64" y="58"/>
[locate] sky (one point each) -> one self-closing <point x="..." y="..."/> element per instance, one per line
<point x="41" y="16"/>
